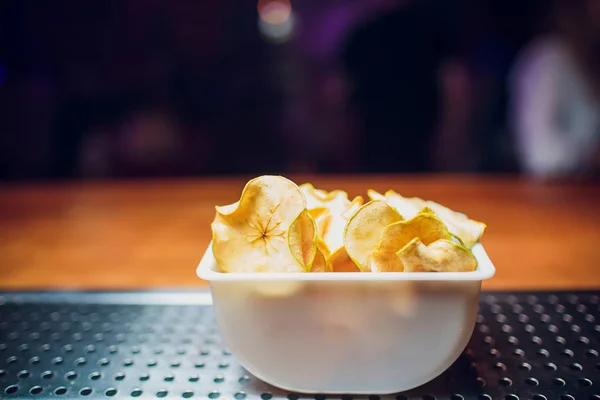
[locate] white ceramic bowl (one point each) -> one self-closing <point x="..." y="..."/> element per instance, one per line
<point x="355" y="333"/>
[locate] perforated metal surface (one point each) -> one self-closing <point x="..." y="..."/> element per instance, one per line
<point x="525" y="346"/>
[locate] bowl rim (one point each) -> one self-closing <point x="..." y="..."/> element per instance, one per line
<point x="208" y="270"/>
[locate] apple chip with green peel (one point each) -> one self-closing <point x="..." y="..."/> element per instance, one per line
<point x="254" y="235"/>
<point x="303" y="235"/>
<point x="425" y="225"/>
<point x="363" y="230"/>
<point x="320" y="264"/>
<point x="469" y="231"/>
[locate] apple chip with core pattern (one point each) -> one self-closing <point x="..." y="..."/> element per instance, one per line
<point x="254" y="235"/>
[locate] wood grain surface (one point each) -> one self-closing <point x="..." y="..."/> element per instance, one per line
<point x="152" y="233"/>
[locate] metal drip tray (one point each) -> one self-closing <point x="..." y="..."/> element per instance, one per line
<point x="166" y="345"/>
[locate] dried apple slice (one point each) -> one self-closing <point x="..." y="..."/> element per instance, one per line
<point x="323" y="247"/>
<point x="353" y="207"/>
<point x="408" y="207"/>
<point x="374" y="195"/>
<point x="330" y="211"/>
<point x="363" y="231"/>
<point x="320" y="265"/>
<point x="384" y="262"/>
<point x="439" y="256"/>
<point x="302" y="239"/>
<point x="253" y="237"/>
<point x="340" y="261"/>
<point x="425" y="225"/>
<point x="468" y="230"/>
<point x="333" y="232"/>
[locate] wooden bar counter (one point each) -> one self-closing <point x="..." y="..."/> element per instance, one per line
<point x="150" y="234"/>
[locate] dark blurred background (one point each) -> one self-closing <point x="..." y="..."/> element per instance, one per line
<point x="130" y="88"/>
